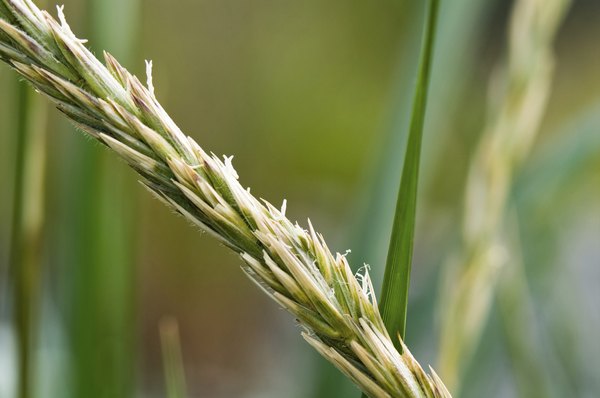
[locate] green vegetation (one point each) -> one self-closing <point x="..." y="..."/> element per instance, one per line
<point x="103" y="293"/>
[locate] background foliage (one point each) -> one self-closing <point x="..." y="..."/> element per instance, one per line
<point x="312" y="98"/>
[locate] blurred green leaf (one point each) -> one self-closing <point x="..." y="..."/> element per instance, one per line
<point x="547" y="195"/>
<point x="102" y="237"/>
<point x="25" y="253"/>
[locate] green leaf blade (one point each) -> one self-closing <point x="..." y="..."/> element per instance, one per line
<point x="394" y="296"/>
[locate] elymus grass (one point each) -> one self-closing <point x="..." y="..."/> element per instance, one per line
<point x="337" y="310"/>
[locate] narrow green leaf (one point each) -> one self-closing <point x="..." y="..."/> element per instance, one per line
<point x="394" y="295"/>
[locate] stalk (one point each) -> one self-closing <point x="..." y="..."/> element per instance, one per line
<point x="172" y="359"/>
<point x="510" y="131"/>
<point x="396" y="280"/>
<point x="26" y="231"/>
<point x="337" y="310"/>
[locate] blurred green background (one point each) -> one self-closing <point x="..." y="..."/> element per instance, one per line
<point x="312" y="97"/>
